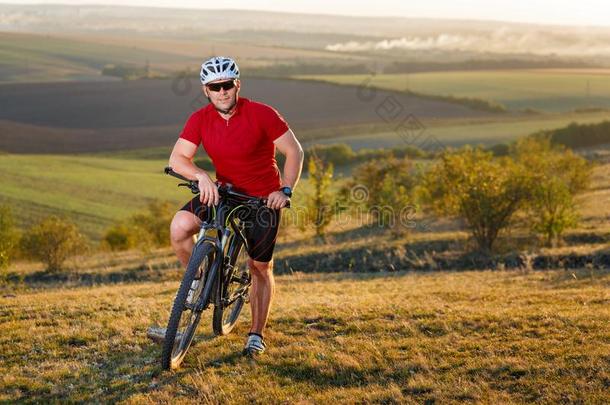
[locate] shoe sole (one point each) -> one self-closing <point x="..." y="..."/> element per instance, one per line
<point x="251" y="353"/>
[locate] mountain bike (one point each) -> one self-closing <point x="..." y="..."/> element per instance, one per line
<point x="216" y="275"/>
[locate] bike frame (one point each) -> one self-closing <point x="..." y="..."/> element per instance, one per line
<point x="221" y="227"/>
<point x="218" y="231"/>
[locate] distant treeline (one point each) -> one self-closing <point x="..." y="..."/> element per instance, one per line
<point x="573" y="136"/>
<point x="480" y="104"/>
<point x="470" y="102"/>
<point x="579" y="135"/>
<point x="341" y="154"/>
<point x="284" y="70"/>
<point x="130" y="72"/>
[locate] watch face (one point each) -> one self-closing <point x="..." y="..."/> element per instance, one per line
<point x="287" y="191"/>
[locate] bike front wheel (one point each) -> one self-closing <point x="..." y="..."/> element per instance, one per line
<point x="233" y="288"/>
<point x="186" y="310"/>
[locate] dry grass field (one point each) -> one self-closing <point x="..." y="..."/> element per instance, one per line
<point x="440" y="337"/>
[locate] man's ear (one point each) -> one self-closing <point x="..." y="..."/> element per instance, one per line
<point x="238" y="84"/>
<point x="205" y="93"/>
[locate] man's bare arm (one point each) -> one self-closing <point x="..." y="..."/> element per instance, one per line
<point x="290" y="147"/>
<point x="181" y="161"/>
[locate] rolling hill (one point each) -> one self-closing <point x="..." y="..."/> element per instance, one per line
<point x="90" y="117"/>
<point x="548" y="90"/>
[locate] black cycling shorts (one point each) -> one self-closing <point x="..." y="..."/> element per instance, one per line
<point x="260" y="228"/>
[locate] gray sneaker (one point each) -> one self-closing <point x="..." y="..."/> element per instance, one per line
<point x="255" y="345"/>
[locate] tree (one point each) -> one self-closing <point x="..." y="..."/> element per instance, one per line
<point x="52" y="241"/>
<point x="146" y="229"/>
<point x="557" y="176"/>
<point x="320" y="202"/>
<point x="152" y="226"/>
<point x="120" y="237"/>
<point x="484" y="192"/>
<point x="387" y="185"/>
<point x="8" y="236"/>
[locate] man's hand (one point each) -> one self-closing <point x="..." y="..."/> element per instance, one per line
<point x="277" y="200"/>
<point x="208" y="192"/>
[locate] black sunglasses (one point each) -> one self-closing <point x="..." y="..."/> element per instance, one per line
<point x="228" y="85"/>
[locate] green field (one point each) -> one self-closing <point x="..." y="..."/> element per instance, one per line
<point x="30" y="57"/>
<point x="459" y="132"/>
<point x="441" y="337"/>
<point x="542" y="89"/>
<point x="92" y="191"/>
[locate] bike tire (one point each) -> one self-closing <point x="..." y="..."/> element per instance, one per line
<point x="225" y="318"/>
<point x="172" y="356"/>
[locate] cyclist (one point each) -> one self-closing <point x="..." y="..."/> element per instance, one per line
<point x="240" y="136"/>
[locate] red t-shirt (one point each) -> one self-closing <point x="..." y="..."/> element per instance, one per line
<point x="241" y="148"/>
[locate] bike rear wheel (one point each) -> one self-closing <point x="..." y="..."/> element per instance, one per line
<point x="233" y="288"/>
<point x="185" y="314"/>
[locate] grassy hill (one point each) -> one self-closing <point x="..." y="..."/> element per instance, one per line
<point x="93" y="117"/>
<point x="41" y="58"/>
<point x="404" y="337"/>
<point x="35" y="57"/>
<point x="92" y="191"/>
<point x="97" y="190"/>
<point x="538" y="89"/>
<point x="458" y="132"/>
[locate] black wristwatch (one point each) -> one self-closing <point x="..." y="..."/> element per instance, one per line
<point x="287" y="191"/>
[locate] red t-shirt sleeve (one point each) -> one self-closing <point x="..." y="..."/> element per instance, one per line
<point x="192" y="129"/>
<point x="272" y="122"/>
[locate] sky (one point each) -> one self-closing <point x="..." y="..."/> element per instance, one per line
<point x="564" y="12"/>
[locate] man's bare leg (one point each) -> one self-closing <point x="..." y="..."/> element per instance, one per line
<point x="261" y="293"/>
<point x="183" y="227"/>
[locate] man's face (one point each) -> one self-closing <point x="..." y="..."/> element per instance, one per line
<point x="222" y="99"/>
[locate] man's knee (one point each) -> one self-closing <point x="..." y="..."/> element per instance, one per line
<point x="183" y="226"/>
<point x="260" y="269"/>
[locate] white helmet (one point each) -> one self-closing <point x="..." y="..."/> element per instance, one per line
<point x="217" y="68"/>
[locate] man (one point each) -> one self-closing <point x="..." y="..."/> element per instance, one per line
<point x="240" y="136"/>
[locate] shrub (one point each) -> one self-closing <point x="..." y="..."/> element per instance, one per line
<point x="120" y="237"/>
<point x="473" y="186"/>
<point x="387" y="186"/>
<point x="146" y="229"/>
<point x="320" y="202"/>
<point x="557" y="176"/>
<point x="152" y="226"/>
<point x="52" y="241"/>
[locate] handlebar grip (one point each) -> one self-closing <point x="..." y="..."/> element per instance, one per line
<point x="171" y="172"/>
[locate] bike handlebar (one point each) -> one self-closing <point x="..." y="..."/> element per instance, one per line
<point x="222" y="189"/>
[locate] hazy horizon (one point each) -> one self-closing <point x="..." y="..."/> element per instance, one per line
<point x="563" y="12"/>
